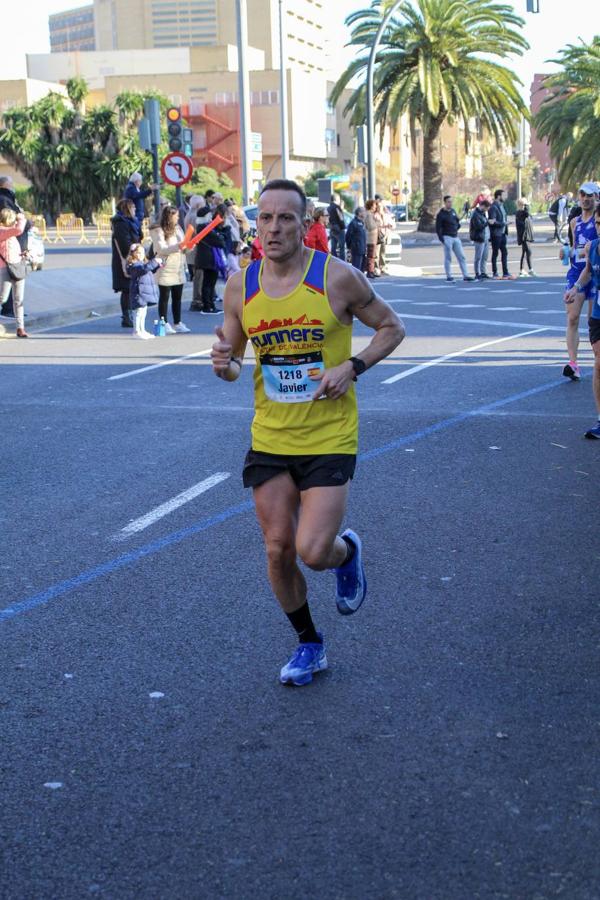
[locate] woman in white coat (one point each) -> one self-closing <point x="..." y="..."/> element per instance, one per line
<point x="166" y="238"/>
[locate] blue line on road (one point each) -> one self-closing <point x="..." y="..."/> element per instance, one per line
<point x="65" y="587"/>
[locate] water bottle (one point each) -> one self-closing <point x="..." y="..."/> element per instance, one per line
<point x="156" y="328"/>
<point x="566" y="254"/>
<point x="162" y="327"/>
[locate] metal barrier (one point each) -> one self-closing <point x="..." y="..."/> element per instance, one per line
<point x="103" y="229"/>
<point x="68" y="224"/>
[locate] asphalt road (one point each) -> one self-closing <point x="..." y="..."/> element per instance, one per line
<point x="450" y="751"/>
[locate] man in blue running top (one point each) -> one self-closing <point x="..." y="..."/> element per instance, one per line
<point x="582" y="232"/>
<point x="590" y="278"/>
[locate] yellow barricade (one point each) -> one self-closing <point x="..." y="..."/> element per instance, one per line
<point x="103" y="229"/>
<point x="68" y="224"/>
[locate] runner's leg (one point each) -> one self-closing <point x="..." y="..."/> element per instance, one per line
<point x="573" y="314"/>
<point x="322" y="511"/>
<point x="277" y="503"/>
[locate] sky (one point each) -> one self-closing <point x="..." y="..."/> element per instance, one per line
<point x="560" y="22"/>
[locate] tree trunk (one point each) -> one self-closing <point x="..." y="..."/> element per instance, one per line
<point x="432" y="177"/>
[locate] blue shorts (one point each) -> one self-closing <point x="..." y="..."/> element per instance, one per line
<point x="572" y="275"/>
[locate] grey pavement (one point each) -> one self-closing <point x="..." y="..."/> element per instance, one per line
<point x="451" y="749"/>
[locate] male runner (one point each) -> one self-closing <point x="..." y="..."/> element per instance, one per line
<point x="296" y="308"/>
<point x="591" y="277"/>
<point x="582" y="231"/>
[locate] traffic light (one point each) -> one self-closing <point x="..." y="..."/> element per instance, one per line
<point x="175" y="129"/>
<point x="188" y="142"/>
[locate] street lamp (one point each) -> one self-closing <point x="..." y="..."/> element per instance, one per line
<point x="283" y="91"/>
<point x="244" y="92"/>
<point x="370" y="114"/>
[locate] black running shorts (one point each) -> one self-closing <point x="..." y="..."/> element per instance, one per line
<point x="594" y="327"/>
<point x="325" y="470"/>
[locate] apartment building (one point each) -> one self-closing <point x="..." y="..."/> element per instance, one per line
<point x="72" y="30"/>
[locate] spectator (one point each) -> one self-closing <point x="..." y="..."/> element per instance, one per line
<point x="245" y="256"/>
<point x="498" y="231"/>
<point x="371" y="227"/>
<point x="240" y="217"/>
<point x="525" y="237"/>
<point x="166" y="238"/>
<point x="386" y="224"/>
<point x="197" y="202"/>
<point x="337" y="227"/>
<point x="125" y="231"/>
<point x="8" y="200"/>
<point x="143" y="291"/>
<point x="479" y="232"/>
<point x="209" y="263"/>
<point x="134" y="192"/>
<point x="256" y="249"/>
<point x="447" y="225"/>
<point x="356" y="239"/>
<point x="553" y="211"/>
<point x="12" y="226"/>
<point x="233" y="242"/>
<point x="316" y="236"/>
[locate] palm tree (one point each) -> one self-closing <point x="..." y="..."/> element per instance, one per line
<point x="436" y="65"/>
<point x="569" y="119"/>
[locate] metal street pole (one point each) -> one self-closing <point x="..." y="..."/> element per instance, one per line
<point x="244" y="92"/>
<point x="283" y="91"/>
<point x="370" y="111"/>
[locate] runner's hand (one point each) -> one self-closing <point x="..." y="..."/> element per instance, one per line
<point x="334" y="382"/>
<point x="221" y="352"/>
<point x="570" y="295"/>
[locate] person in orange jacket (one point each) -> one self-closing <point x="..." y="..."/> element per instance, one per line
<point x="316" y="236"/>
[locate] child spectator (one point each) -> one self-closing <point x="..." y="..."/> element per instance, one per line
<point x="316" y="236"/>
<point x="143" y="291"/>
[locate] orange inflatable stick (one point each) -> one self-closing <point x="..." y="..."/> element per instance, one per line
<point x="189" y="233"/>
<point x="206" y="230"/>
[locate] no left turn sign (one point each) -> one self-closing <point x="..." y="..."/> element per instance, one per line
<point x="176" y="168"/>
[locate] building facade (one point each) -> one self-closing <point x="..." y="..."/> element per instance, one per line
<point x="72" y="30"/>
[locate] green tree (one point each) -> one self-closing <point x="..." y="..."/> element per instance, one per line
<point x="437" y="64"/>
<point x="75" y="160"/>
<point x="205" y="178"/>
<point x="569" y="119"/>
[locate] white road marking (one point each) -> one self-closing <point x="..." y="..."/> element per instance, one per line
<point x="506" y="308"/>
<point x="440" y="359"/>
<point x="466" y="305"/>
<point x="546" y="293"/>
<point x="429" y="303"/>
<point x="168" y="362"/>
<point x="481" y="321"/>
<point x="165" y="508"/>
<point x="553" y="312"/>
<point x="507" y="291"/>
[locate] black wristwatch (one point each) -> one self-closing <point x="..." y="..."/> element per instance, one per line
<point x="358" y="365"/>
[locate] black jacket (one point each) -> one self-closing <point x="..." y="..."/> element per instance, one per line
<point x="336" y="218"/>
<point x="125" y="232"/>
<point x="356" y="237"/>
<point x="204" y="255"/>
<point x="477" y="226"/>
<point x="447" y="223"/>
<point x="8" y="200"/>
<point x="524" y="226"/>
<point x="498" y="213"/>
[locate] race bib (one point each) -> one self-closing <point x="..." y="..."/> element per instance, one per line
<point x="580" y="254"/>
<point x="288" y="379"/>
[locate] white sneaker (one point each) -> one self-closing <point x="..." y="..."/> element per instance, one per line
<point x="180" y="328"/>
<point x="169" y="328"/>
<point x="143" y="335"/>
<point x="523" y="275"/>
<point x="532" y="274"/>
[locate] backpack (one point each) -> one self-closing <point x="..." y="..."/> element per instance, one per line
<point x="553" y="211"/>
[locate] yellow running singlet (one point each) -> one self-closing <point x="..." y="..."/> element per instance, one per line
<point x="293" y="338"/>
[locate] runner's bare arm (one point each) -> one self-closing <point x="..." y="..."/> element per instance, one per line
<point x="228" y="351"/>
<point x="351" y="294"/>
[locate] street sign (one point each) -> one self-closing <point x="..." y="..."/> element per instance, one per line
<point x="396" y="191"/>
<point x="176" y="168"/>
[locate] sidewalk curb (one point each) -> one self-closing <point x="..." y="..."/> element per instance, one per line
<point x="54" y="318"/>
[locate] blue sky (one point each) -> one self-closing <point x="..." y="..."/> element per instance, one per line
<point x="559" y="22"/>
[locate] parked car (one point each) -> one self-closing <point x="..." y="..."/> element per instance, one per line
<point x="398" y="210"/>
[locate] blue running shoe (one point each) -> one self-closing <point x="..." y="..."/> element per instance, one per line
<point x="594" y="432"/>
<point x="351" y="579"/>
<point x="306" y="659"/>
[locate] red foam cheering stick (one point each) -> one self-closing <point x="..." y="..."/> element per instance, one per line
<point x="201" y="234"/>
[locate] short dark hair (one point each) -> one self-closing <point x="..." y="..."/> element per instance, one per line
<point x="284" y="184"/>
<point x="208" y="194"/>
<point x="485" y="203"/>
<point x="498" y="192"/>
<point x="447" y="197"/>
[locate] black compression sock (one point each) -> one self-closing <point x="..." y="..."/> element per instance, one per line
<point x="351" y="549"/>
<point x="301" y="621"/>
